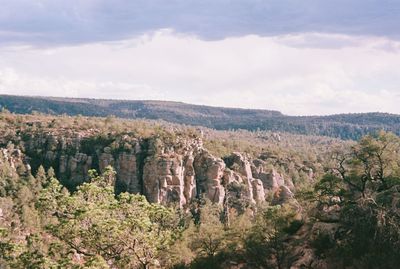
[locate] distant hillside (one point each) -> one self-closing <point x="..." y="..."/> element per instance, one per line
<point x="345" y="126"/>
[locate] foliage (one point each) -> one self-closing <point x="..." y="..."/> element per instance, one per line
<point x="125" y="231"/>
<point x="265" y="243"/>
<point x="43" y="225"/>
<point x="365" y="183"/>
<point x="345" y="126"/>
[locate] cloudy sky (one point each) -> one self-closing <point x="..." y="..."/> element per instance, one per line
<point x="300" y="57"/>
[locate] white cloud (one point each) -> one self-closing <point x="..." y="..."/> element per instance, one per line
<point x="296" y="74"/>
<point x="12" y="82"/>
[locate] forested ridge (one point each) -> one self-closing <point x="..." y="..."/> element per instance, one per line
<point x="345" y="126"/>
<point x="93" y="192"/>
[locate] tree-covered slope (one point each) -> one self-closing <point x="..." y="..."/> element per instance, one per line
<point x="345" y="126"/>
<point x="272" y="200"/>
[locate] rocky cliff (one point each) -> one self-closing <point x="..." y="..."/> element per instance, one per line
<point x="167" y="170"/>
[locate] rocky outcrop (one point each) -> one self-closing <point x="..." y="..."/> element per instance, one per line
<point x="126" y="166"/>
<point x="241" y="165"/>
<point x="15" y="160"/>
<point x="75" y="167"/>
<point x="163" y="180"/>
<point x="106" y="158"/>
<point x="189" y="189"/>
<point x="272" y="180"/>
<point x="209" y="172"/>
<point x="258" y="190"/>
<point x="169" y="173"/>
<point x="257" y="167"/>
<point x="166" y="171"/>
<point x="302" y="254"/>
<point x="282" y="195"/>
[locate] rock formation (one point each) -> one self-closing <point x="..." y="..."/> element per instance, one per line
<point x="16" y="160"/>
<point x="241" y="164"/>
<point x="258" y="190"/>
<point x="272" y="180"/>
<point x="282" y="195"/>
<point x="126" y="165"/>
<point x="166" y="171"/>
<point x="76" y="167"/>
<point x="209" y="172"/>
<point x="163" y="179"/>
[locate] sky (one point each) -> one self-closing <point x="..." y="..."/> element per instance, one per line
<point x="301" y="57"/>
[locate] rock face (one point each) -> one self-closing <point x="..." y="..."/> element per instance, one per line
<point x="258" y="190"/>
<point x="163" y="180"/>
<point x="165" y="171"/>
<point x="272" y="180"/>
<point x="174" y="173"/>
<point x="16" y="161"/>
<point x="76" y="167"/>
<point x="126" y="167"/>
<point x="241" y="165"/>
<point x="169" y="173"/>
<point x="282" y="195"/>
<point x="209" y="172"/>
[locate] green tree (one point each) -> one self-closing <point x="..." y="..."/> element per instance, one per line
<point x="208" y="237"/>
<point x="365" y="182"/>
<point x="125" y="230"/>
<point x="265" y="243"/>
<point x="370" y="165"/>
<point x="41" y="177"/>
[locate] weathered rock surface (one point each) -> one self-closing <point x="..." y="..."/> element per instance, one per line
<point x="167" y="176"/>
<point x="126" y="166"/>
<point x="163" y="179"/>
<point x="272" y="180"/>
<point x="189" y="188"/>
<point x="241" y="164"/>
<point x="302" y="254"/>
<point x="209" y="172"/>
<point x="76" y="167"/>
<point x="16" y="160"/>
<point x="175" y="172"/>
<point x="282" y="195"/>
<point x="258" y="190"/>
<point x="165" y="171"/>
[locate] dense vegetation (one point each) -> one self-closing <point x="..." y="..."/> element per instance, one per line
<point x="362" y="185"/>
<point x="45" y="226"/>
<point x="348" y="216"/>
<point x="346" y="126"/>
